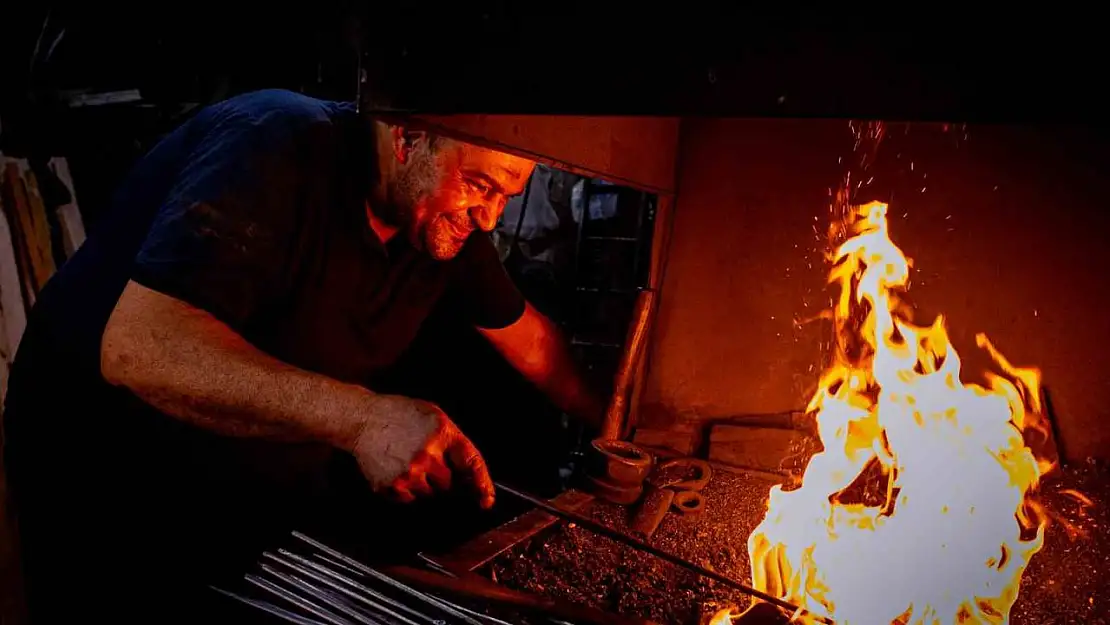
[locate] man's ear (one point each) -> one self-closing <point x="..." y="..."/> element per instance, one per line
<point x="404" y="141"/>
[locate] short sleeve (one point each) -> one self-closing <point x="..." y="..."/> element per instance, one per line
<point x="482" y="289"/>
<point x="222" y="239"/>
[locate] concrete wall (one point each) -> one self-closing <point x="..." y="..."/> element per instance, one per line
<point x="1006" y="228"/>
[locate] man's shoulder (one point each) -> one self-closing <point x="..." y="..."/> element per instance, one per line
<point x="273" y="110"/>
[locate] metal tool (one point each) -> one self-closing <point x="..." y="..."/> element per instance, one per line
<point x="649" y="514"/>
<point x="598" y="528"/>
<point x="688" y="498"/>
<point x="661" y="492"/>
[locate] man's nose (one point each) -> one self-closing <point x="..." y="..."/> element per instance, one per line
<point x="484" y="217"/>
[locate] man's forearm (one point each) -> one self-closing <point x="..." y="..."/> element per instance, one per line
<point x="189" y="365"/>
<point x="536" y="348"/>
<point x="567" y="387"/>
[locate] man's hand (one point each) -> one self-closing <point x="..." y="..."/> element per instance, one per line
<point x="410" y="447"/>
<point x="186" y="363"/>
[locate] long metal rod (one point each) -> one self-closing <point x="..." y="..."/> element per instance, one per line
<point x="319" y="595"/>
<point x="281" y="613"/>
<point x="313" y="571"/>
<point x="300" y="602"/>
<point x="382" y="577"/>
<point x="598" y="528"/>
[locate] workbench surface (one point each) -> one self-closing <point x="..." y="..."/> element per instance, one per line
<point x="1062" y="584"/>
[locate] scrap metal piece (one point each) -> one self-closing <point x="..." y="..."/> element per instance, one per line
<point x="619" y="462"/>
<point x="622" y="495"/>
<point x="704" y="473"/>
<point x="652" y="510"/>
<point x="689" y="502"/>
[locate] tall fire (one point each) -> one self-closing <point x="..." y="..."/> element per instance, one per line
<point x="919" y="509"/>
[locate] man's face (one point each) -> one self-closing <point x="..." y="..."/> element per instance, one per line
<point x="444" y="194"/>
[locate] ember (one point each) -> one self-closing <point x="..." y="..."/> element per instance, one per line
<point x="954" y="525"/>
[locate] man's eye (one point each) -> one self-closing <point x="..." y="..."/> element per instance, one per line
<point x="479" y="186"/>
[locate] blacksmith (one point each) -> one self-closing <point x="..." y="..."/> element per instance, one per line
<point x="190" y="375"/>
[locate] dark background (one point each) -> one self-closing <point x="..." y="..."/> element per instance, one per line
<point x="939" y="65"/>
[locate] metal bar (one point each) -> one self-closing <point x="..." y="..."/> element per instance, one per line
<point x="357" y="586"/>
<point x="639" y="239"/>
<point x="584" y="343"/>
<point x="477" y="588"/>
<point x="618" y="239"/>
<point x="598" y="528"/>
<point x="634" y="345"/>
<point x="484" y="548"/>
<point x="435" y="566"/>
<point x="319" y="595"/>
<point x="361" y="609"/>
<point x="270" y="608"/>
<point x="386" y="579"/>
<point x="325" y="559"/>
<point x="339" y="588"/>
<point x="478" y="615"/>
<point x="523" y="212"/>
<point x="300" y="602"/>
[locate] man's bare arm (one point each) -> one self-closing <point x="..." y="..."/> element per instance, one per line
<point x="536" y="348"/>
<point x="189" y="365"/>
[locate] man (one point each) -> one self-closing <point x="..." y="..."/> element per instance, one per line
<point x="188" y="376"/>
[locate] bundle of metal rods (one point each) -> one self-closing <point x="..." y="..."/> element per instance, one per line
<point x="316" y="584"/>
<point x="322" y="585"/>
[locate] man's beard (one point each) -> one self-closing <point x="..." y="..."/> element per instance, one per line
<point x="441" y="236"/>
<point x="408" y="188"/>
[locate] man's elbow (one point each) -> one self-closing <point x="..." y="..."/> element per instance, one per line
<point x="128" y="347"/>
<point x="117" y="356"/>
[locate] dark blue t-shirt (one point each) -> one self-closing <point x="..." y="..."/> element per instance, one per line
<point x="265" y="227"/>
<point x="253" y="210"/>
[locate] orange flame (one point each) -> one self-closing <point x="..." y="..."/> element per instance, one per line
<point x="722" y="617"/>
<point x="919" y="509"/>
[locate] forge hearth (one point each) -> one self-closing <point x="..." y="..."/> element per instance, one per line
<point x="1061" y="586"/>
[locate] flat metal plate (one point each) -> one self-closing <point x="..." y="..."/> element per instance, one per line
<point x="480" y="550"/>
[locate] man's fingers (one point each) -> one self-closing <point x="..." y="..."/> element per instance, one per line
<point x="439" y="476"/>
<point x="399" y="491"/>
<point x="431" y="463"/>
<point x="464" y="456"/>
<point x="418" y="485"/>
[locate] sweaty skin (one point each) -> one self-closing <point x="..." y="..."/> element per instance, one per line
<point x="186" y="363"/>
<point x="438" y="195"/>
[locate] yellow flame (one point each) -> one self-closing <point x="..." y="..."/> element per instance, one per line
<point x="918" y="510"/>
<point x="722" y="617"/>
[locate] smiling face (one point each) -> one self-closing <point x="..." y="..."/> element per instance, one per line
<point x="439" y="191"/>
